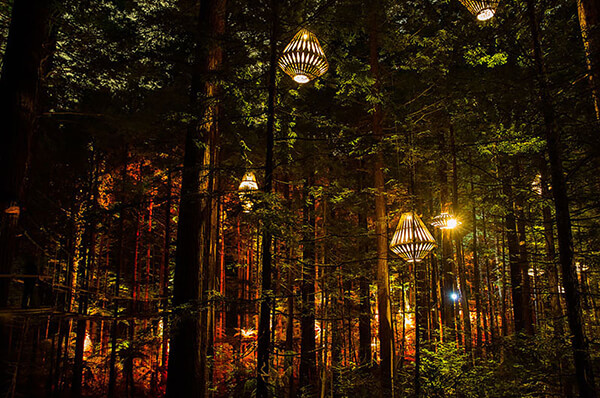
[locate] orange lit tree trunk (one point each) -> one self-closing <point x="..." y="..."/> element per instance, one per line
<point x="383" y="286"/>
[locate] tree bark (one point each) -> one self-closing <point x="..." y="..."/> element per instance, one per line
<point x="383" y="288"/>
<point x="189" y="332"/>
<point x="589" y="22"/>
<point x="583" y="366"/>
<point x="112" y="378"/>
<point x="514" y="257"/>
<point x="308" y="357"/>
<point x="264" y="323"/>
<point x="22" y="70"/>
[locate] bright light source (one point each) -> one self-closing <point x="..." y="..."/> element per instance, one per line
<point x="452" y="223"/>
<point x="486" y="14"/>
<point x="454" y="296"/>
<point x="301" y="79"/>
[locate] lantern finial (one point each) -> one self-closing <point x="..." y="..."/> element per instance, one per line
<point x="412" y="240"/>
<point x="303" y="58"/>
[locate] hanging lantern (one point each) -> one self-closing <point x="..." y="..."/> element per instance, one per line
<point x="412" y="240"/>
<point x="445" y="221"/>
<point x="247" y="185"/>
<point x="482" y="9"/>
<point x="303" y="59"/>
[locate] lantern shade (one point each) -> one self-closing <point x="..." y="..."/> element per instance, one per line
<point x="247" y="185"/>
<point x="303" y="59"/>
<point x="482" y="9"/>
<point x="445" y="221"/>
<point x="412" y="240"/>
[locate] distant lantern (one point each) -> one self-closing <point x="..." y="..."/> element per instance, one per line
<point x="303" y="59"/>
<point x="482" y="9"/>
<point x="445" y="221"/>
<point x="412" y="240"/>
<point x="247" y="185"/>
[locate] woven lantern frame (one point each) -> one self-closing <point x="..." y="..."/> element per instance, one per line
<point x="303" y="58"/>
<point x="412" y="240"/>
<point x="482" y="9"/>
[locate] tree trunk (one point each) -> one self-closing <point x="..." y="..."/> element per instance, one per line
<point x="462" y="274"/>
<point x="112" y="378"/>
<point x="589" y="22"/>
<point x="383" y="288"/>
<point x="189" y="333"/>
<point x="364" y="320"/>
<point x="264" y="323"/>
<point x="583" y="365"/>
<point x="308" y="359"/>
<point x="22" y="70"/>
<point x="516" y="276"/>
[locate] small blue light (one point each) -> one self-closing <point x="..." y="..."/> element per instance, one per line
<point x="454" y="296"/>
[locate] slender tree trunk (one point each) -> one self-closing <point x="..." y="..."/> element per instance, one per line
<point x="264" y="323"/>
<point x="477" y="283"/>
<point x="164" y="272"/>
<point x="528" y="310"/>
<point x="112" y="378"/>
<point x="462" y="274"/>
<point x="364" y="320"/>
<point x="308" y="360"/>
<point x="551" y="267"/>
<point x="583" y="365"/>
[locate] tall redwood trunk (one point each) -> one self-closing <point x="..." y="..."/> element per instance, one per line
<point x="581" y="355"/>
<point x="383" y="285"/>
<point x="189" y="333"/>
<point x="264" y="322"/>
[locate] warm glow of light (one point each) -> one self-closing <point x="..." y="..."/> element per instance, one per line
<point x="452" y="223"/>
<point x="454" y="296"/>
<point x="532" y="272"/>
<point x="445" y="221"/>
<point x="247" y="185"/>
<point x="248" y="333"/>
<point x="486" y="14"/>
<point x="581" y="268"/>
<point x="87" y="345"/>
<point x="301" y="79"/>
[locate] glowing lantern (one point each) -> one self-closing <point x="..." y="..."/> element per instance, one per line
<point x="412" y="240"/>
<point x="445" y="221"/>
<point x="535" y="272"/>
<point x="482" y="9"/>
<point x="247" y="185"/>
<point x="303" y="59"/>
